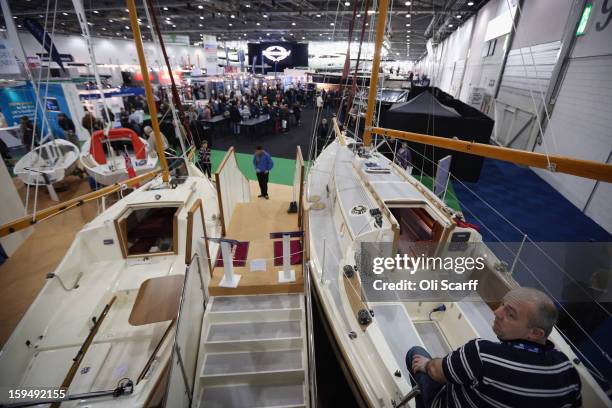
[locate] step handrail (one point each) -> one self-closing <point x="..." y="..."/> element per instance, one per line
<point x="312" y="374"/>
<point x="175" y="346"/>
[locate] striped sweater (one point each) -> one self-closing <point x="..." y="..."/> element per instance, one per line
<point x="521" y="374"/>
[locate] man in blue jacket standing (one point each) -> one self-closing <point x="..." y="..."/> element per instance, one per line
<point x="262" y="161"/>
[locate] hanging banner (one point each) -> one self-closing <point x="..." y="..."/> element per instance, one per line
<point x="42" y="36"/>
<point x="8" y="63"/>
<point x="209" y="43"/>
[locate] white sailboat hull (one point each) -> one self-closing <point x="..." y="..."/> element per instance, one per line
<point x="47" y="164"/>
<point x="114" y="171"/>
<point x="97" y="269"/>
<point x="374" y="354"/>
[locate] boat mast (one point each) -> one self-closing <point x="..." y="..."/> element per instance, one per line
<point x="381" y="23"/>
<point x="148" y="90"/>
<point x="80" y="12"/>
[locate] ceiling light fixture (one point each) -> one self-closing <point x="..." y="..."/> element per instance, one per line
<point x="103" y="29"/>
<point x="268" y="34"/>
<point x="258" y="24"/>
<point x="110" y="21"/>
<point x="347" y="3"/>
<point x="318" y="15"/>
<point x="165" y="8"/>
<point x="230" y="24"/>
<point x="127" y="10"/>
<point x="64" y="13"/>
<point x="450" y="25"/>
<point x="408" y="3"/>
<point x="200" y="25"/>
<point x="127" y="27"/>
<point x="201" y="17"/>
<point x="96" y="11"/>
<point x="265" y="16"/>
<point x="470" y="3"/>
<point x="407" y="15"/>
<point x="303" y="38"/>
<point x="331" y="24"/>
<point x="232" y="16"/>
<point x="293" y="23"/>
<point x="458" y="16"/>
<point x="358" y="15"/>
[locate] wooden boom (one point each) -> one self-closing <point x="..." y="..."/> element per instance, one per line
<point x="560" y="164"/>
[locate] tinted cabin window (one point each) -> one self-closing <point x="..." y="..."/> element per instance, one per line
<point x="150" y="230"/>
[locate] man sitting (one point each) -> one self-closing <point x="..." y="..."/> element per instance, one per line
<point x="522" y="370"/>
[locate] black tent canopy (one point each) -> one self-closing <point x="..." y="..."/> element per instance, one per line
<point x="433" y="112"/>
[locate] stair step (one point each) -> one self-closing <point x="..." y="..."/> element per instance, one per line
<point x="255" y="302"/>
<point x="253" y="331"/>
<point x="252" y="395"/>
<point x="228" y="364"/>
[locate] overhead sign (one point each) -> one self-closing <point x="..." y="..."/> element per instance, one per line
<point x="276" y="53"/>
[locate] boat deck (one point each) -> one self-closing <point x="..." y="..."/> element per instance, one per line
<point x="253" y="222"/>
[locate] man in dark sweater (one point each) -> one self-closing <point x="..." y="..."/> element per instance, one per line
<point x="523" y="369"/>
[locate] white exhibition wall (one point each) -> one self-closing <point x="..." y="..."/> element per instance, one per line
<point x="578" y="88"/>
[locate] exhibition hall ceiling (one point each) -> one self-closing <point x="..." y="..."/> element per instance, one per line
<point x="412" y="22"/>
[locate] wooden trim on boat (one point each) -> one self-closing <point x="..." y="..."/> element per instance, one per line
<point x="381" y="24"/>
<point x="121" y="229"/>
<point x="300" y="160"/>
<point x="84" y="347"/>
<point x="559" y="164"/>
<point x="230" y="151"/>
<point x="343" y="362"/>
<point x="29" y="220"/>
<point x="154" y="353"/>
<point x="158" y="390"/>
<point x="220" y="203"/>
<point x="197" y="205"/>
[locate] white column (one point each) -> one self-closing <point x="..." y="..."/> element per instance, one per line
<point x="287" y="274"/>
<point x="230" y="280"/>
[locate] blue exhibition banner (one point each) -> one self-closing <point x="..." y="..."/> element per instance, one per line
<point x="18" y="101"/>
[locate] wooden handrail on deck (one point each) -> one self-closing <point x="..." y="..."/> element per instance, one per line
<point x="81" y="353"/>
<point x="28" y="220"/>
<point x="560" y="164"/>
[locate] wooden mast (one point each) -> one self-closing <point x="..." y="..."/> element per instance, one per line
<point x="148" y="90"/>
<point x="381" y="23"/>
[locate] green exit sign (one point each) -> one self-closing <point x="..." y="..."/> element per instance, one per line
<point x="586" y="13"/>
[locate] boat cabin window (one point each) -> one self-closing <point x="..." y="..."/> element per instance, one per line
<point x="119" y="146"/>
<point x="148" y="231"/>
